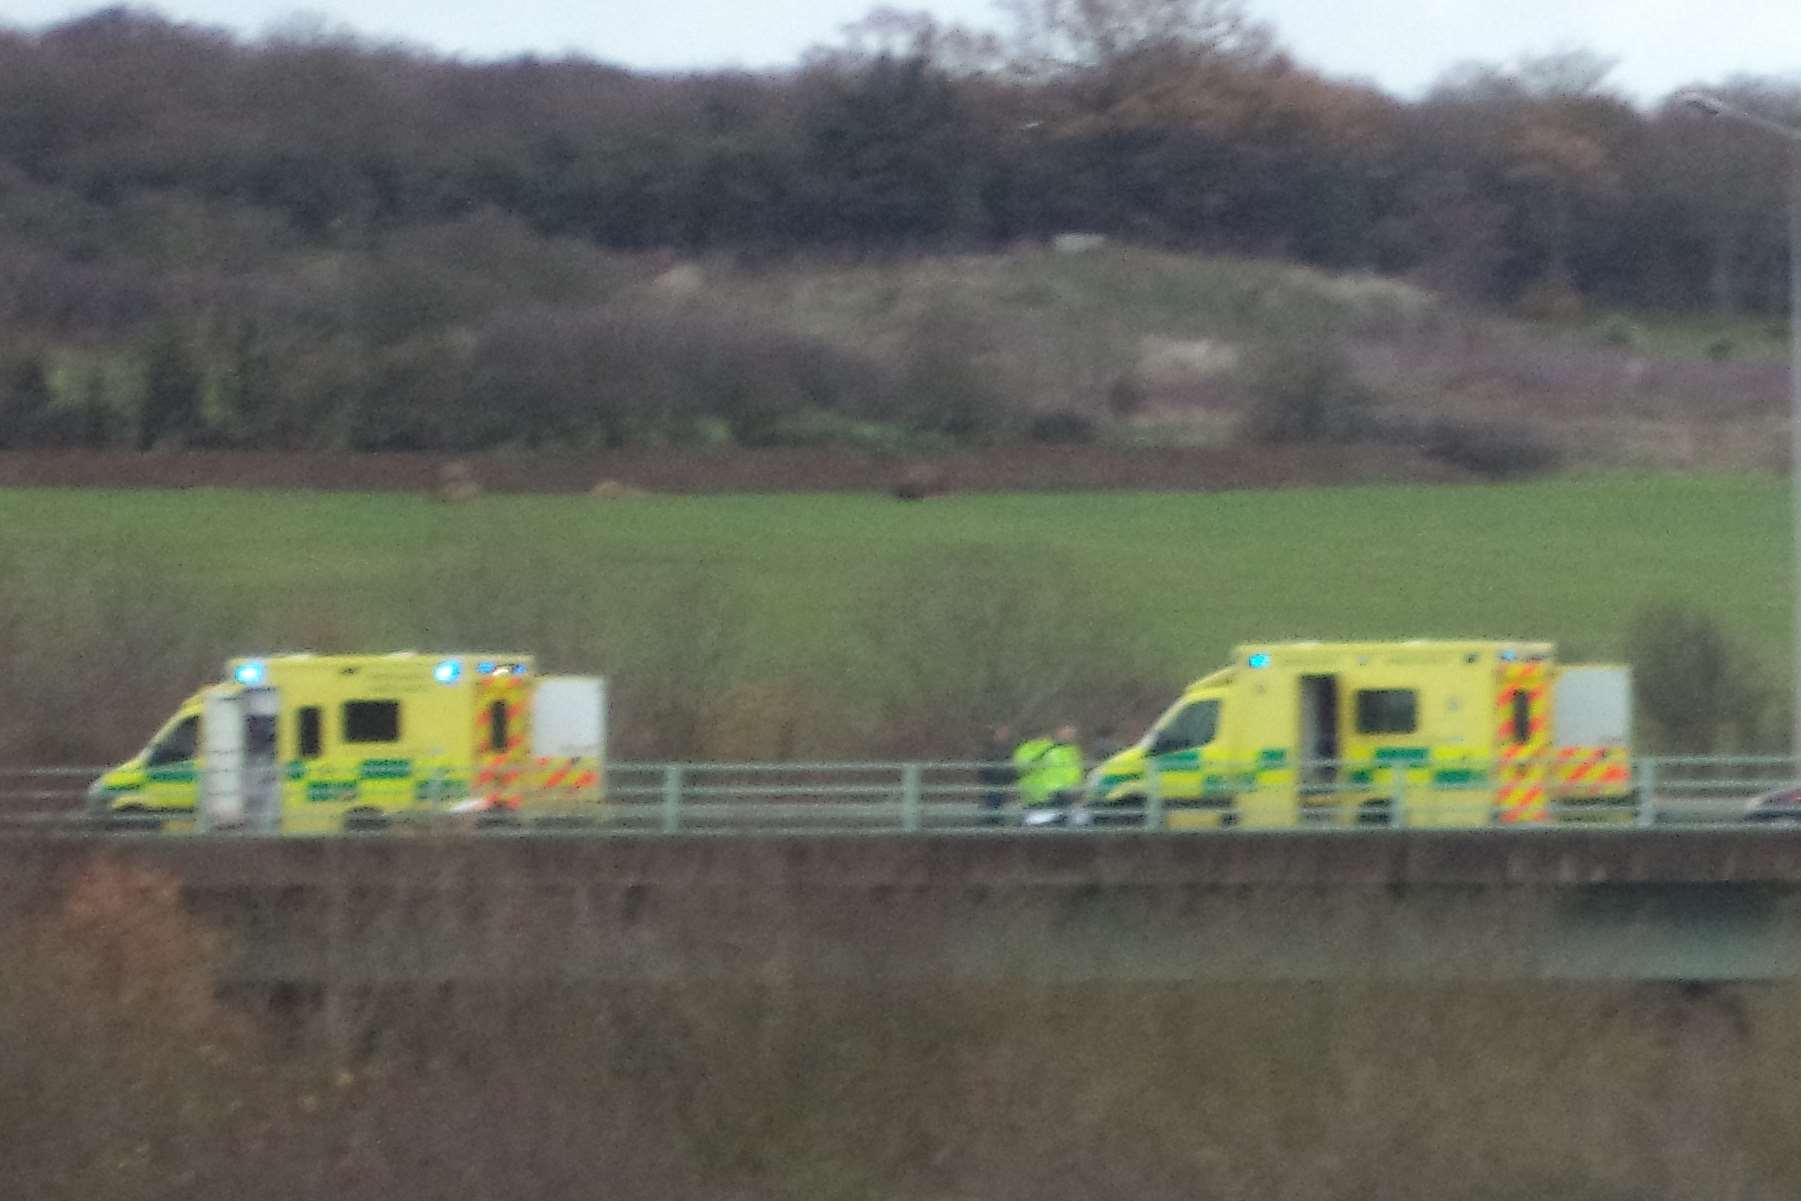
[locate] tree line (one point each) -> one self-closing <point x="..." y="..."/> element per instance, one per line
<point x="312" y="239"/>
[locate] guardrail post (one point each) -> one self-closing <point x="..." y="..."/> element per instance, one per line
<point x="1397" y="805"/>
<point x="1647" y="792"/>
<point x="1153" y="795"/>
<point x="910" y="789"/>
<point x="672" y="798"/>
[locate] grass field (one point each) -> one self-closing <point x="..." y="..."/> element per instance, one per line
<point x="1187" y="574"/>
<point x="847" y="592"/>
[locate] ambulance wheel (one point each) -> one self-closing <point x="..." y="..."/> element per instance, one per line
<point x="365" y="820"/>
<point x="1127" y="812"/>
<point x="134" y="817"/>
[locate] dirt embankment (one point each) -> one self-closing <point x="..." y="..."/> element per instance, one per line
<point x="1011" y="469"/>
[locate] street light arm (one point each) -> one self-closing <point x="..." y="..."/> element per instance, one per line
<point x="1713" y="106"/>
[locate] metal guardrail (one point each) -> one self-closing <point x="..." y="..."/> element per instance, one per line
<point x="947" y="797"/>
<point x="42" y="796"/>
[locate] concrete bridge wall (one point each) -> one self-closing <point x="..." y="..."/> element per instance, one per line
<point x="1445" y="907"/>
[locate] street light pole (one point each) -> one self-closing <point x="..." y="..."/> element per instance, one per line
<point x="1794" y="378"/>
<point x="1713" y="106"/>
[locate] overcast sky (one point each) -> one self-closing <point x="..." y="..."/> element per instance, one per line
<point x="1400" y="44"/>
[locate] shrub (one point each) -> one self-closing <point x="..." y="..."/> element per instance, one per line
<point x="33" y="415"/>
<point x="1065" y="426"/>
<point x="817" y="427"/>
<point x="1553" y="299"/>
<point x="1126" y="397"/>
<point x="408" y="390"/>
<point x="761" y="1040"/>
<point x="1497" y="450"/>
<point x="944" y="387"/>
<point x="1697" y="691"/>
<point x="120" y="1061"/>
<point x="954" y="643"/>
<point x="669" y="639"/>
<point x="1623" y="332"/>
<point x="25" y="414"/>
<point x="172" y="390"/>
<point x="1307" y="393"/>
<point x="556" y="376"/>
<point x="750" y="1035"/>
<point x="113" y="640"/>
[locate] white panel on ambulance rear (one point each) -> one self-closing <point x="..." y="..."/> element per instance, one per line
<point x="1592" y="707"/>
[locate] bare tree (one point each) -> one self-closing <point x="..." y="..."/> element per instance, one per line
<point x="1055" y="37"/>
<point x="899" y="33"/>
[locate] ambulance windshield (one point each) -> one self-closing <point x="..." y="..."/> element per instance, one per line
<point x="177" y="744"/>
<point x="1194" y="726"/>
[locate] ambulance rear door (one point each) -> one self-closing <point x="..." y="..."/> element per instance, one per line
<point x="569" y="736"/>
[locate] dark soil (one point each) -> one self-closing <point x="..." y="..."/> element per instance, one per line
<point x="1005" y="469"/>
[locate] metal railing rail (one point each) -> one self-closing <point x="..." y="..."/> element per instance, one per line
<point x="951" y="797"/>
<point x="42" y="791"/>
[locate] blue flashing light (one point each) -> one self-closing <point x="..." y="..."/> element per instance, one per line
<point x="447" y="672"/>
<point x="518" y="669"/>
<point x="1260" y="659"/>
<point x="485" y="668"/>
<point x="250" y="674"/>
<point x="1510" y="654"/>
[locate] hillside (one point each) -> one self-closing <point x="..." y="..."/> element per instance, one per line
<point x="313" y="242"/>
<point x="1165" y="348"/>
<point x="1118" y="345"/>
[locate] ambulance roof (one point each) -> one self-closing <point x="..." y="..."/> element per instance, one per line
<point x="445" y="666"/>
<point x="1265" y="654"/>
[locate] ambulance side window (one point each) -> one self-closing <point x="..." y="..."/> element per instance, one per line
<point x="497" y="726"/>
<point x="371" y="721"/>
<point x="259" y="735"/>
<point x="1387" y="711"/>
<point x="309" y="733"/>
<point x="178" y="745"/>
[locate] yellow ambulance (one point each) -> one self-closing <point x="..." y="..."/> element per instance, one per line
<point x="1439" y="733"/>
<point x="306" y="743"/>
